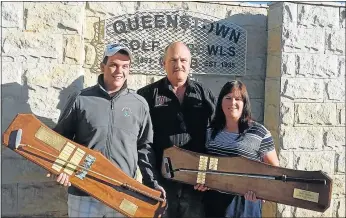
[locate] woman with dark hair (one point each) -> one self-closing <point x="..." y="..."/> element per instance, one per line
<point x="233" y="132"/>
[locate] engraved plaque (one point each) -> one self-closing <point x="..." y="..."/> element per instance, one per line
<point x="202" y="165"/>
<point x="63" y="156"/>
<point x="305" y="195"/>
<point x="203" y="161"/>
<point x="51" y="138"/>
<point x="128" y="207"/>
<point x="213" y="163"/>
<point x="201" y="178"/>
<point x="75" y="160"/>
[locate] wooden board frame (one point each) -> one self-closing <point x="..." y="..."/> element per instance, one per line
<point x="128" y="202"/>
<point x="310" y="196"/>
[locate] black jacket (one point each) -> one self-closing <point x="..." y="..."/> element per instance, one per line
<point x="183" y="125"/>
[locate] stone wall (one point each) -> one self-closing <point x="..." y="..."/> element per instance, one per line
<point x="305" y="94"/>
<point x="51" y="49"/>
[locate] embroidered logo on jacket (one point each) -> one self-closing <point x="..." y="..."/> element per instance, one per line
<point x="126" y="111"/>
<point x="161" y="100"/>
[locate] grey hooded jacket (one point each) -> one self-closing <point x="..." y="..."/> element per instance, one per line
<point x="119" y="127"/>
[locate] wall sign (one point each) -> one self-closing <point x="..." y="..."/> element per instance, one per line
<point x="217" y="46"/>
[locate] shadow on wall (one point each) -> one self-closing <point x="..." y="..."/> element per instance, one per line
<point x="15" y="100"/>
<point x="218" y="33"/>
<point x="98" y="45"/>
<point x="24" y="174"/>
<point x="255" y="57"/>
<point x="223" y="43"/>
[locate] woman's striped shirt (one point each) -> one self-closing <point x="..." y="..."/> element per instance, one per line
<point x="253" y="143"/>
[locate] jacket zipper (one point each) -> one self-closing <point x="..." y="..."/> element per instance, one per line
<point x="111" y="113"/>
<point x="112" y="105"/>
<point x="109" y="129"/>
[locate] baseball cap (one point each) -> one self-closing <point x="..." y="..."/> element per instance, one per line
<point x="112" y="49"/>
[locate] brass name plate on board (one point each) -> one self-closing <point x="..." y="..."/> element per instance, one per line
<point x="128" y="207"/>
<point x="63" y="156"/>
<point x="50" y="138"/>
<point x="202" y="165"/>
<point x="75" y="160"/>
<point x="213" y="163"/>
<point x="305" y="195"/>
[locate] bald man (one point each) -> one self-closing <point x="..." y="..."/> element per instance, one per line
<point x="181" y="110"/>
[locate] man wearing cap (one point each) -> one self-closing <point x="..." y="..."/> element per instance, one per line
<point x="110" y="118"/>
